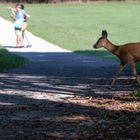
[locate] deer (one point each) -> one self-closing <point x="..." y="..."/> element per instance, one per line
<point x="128" y="54"/>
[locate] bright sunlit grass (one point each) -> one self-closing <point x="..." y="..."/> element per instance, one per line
<point x="78" y="26"/>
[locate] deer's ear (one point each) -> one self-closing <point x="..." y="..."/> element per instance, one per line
<point x="104" y="34"/>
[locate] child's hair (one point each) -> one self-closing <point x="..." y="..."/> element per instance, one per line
<point x="22" y="6"/>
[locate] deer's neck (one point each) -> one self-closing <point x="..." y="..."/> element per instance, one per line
<point x="111" y="47"/>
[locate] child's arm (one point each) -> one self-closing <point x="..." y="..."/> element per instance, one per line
<point x="26" y="16"/>
<point x="13" y="17"/>
<point x="13" y="13"/>
<point x="13" y="10"/>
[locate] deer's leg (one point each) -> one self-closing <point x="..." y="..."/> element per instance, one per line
<point x="121" y="67"/>
<point x="134" y="72"/>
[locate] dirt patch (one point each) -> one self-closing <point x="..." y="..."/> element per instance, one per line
<point x="65" y="96"/>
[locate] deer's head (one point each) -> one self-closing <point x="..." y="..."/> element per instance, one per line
<point x="102" y="40"/>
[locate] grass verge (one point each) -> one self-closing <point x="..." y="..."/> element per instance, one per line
<point x="10" y="60"/>
<point x="136" y="93"/>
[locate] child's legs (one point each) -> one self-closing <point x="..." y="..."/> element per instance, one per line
<point x="24" y="27"/>
<point x="19" y="38"/>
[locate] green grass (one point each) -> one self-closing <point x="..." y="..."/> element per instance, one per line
<point x="78" y="26"/>
<point x="10" y="60"/>
<point x="136" y="93"/>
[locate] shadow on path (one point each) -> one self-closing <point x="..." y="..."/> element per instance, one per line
<point x="65" y="96"/>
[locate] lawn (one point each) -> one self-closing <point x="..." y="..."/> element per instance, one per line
<point x="78" y="26"/>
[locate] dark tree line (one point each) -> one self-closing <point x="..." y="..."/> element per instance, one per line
<point x="47" y="1"/>
<point x="25" y="1"/>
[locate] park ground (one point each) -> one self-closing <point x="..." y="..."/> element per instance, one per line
<point x="64" y="95"/>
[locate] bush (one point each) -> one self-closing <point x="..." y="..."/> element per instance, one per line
<point x="10" y="60"/>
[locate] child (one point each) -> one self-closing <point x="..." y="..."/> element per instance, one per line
<point x="19" y="16"/>
<point x="24" y="26"/>
<point x="26" y="17"/>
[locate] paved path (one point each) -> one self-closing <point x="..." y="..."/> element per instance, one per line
<point x="37" y="100"/>
<point x="7" y="38"/>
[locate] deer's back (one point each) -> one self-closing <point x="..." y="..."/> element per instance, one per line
<point x="130" y="51"/>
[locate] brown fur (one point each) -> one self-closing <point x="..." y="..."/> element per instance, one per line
<point x="127" y="53"/>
